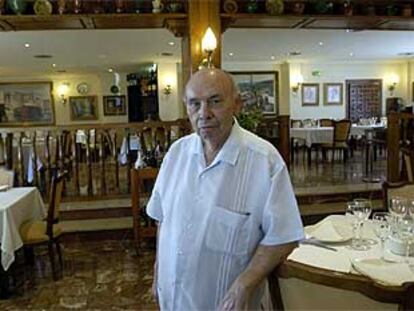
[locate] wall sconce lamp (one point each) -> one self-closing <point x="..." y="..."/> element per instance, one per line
<point x="167" y="89"/>
<point x="296" y="83"/>
<point x="392" y="82"/>
<point x="208" y="45"/>
<point x="62" y="91"/>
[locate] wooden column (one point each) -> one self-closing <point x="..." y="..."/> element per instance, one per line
<point x="284" y="138"/>
<point x="393" y="147"/>
<point x="201" y="15"/>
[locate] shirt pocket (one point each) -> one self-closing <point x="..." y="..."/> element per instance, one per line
<point x="227" y="231"/>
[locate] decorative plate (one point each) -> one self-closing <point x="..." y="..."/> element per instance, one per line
<point x="42" y="7"/>
<point x="82" y="88"/>
<point x="115" y="89"/>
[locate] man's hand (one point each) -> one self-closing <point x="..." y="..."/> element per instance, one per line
<point x="237" y="297"/>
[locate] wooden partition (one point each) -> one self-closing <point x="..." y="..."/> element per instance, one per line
<point x="400" y="134"/>
<point x="97" y="158"/>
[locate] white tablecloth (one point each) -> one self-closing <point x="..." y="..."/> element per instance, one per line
<point x="341" y="259"/>
<point x="359" y="130"/>
<point x="17" y="205"/>
<point x="313" y="135"/>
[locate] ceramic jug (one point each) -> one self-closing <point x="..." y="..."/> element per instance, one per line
<point x="274" y="7"/>
<point x="157" y="6"/>
<point x="17" y="6"/>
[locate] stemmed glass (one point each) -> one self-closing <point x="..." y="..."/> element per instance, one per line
<point x="361" y="208"/>
<point x="406" y="233"/>
<point x="380" y="221"/>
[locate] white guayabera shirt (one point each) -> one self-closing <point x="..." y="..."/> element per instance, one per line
<point x="213" y="218"/>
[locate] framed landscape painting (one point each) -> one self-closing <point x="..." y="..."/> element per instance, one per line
<point x="332" y="94"/>
<point x="83" y="108"/>
<point x="114" y="105"/>
<point x="26" y="103"/>
<point x="259" y="90"/>
<point x="310" y="94"/>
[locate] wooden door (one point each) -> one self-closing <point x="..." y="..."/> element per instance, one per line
<point x="364" y="98"/>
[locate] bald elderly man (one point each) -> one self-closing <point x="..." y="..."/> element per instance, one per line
<point x="225" y="205"/>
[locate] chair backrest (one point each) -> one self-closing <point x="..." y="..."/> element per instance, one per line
<point x="341" y="130"/>
<point x="398" y="189"/>
<point x="308" y="123"/>
<point x="326" y="122"/>
<point x="142" y="181"/>
<point x="295" y="123"/>
<point x="408" y="157"/>
<point x="6" y="177"/>
<point x="54" y="202"/>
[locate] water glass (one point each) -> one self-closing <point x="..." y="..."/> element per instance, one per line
<point x="381" y="225"/>
<point x="405" y="231"/>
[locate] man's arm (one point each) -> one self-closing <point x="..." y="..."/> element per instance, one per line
<point x="264" y="260"/>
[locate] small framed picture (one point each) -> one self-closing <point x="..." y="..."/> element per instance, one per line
<point x="114" y="105"/>
<point x="332" y="94"/>
<point x="310" y="94"/>
<point x="83" y="108"/>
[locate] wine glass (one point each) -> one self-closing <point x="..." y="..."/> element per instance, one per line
<point x="380" y="221"/>
<point x="361" y="209"/>
<point x="398" y="207"/>
<point x="367" y="207"/>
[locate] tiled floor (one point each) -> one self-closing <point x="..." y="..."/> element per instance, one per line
<point x="105" y="275"/>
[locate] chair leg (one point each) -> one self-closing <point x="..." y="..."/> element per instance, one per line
<point x="59" y="251"/>
<point x="52" y="259"/>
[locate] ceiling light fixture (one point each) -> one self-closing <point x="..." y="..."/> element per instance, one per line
<point x="53" y="65"/>
<point x="320" y="43"/>
<point x="231" y="54"/>
<point x="110" y="70"/>
<point x="351" y="54"/>
<point x="27" y="45"/>
<point x="172" y="43"/>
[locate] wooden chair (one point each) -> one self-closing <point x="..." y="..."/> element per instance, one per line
<point x="340" y="141"/>
<point x="34" y="233"/>
<point x="326" y="122"/>
<point x="397" y="189"/>
<point x="408" y="160"/>
<point x="141" y="181"/>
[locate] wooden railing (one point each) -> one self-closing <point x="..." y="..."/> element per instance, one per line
<point x="99" y="158"/>
<point x="400" y="134"/>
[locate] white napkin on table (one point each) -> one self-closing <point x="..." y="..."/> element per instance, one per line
<point x="330" y="230"/>
<point x="389" y="273"/>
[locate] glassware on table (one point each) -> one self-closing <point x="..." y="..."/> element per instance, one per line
<point x="398" y="207"/>
<point x="405" y="231"/>
<point x="361" y="209"/>
<point x="381" y="225"/>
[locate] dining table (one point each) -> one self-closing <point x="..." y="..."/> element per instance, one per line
<point x="324" y="272"/>
<point x="17" y="205"/>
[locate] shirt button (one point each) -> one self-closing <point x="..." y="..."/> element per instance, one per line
<point x="180" y="252"/>
<point x="189" y="226"/>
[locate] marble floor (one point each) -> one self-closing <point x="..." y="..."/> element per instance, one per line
<point x="104" y="275"/>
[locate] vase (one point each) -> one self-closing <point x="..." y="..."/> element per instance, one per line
<point x="297" y="8"/>
<point x="323" y="7"/>
<point x="406" y="10"/>
<point x="119" y="6"/>
<point x="2" y="6"/>
<point x="252" y="6"/>
<point x="61" y="6"/>
<point x="17" y="6"/>
<point x="274" y="7"/>
<point x="77" y="6"/>
<point x="348" y="8"/>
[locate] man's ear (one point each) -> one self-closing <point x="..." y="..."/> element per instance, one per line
<point x="237" y="104"/>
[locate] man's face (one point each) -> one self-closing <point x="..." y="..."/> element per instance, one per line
<point x="211" y="106"/>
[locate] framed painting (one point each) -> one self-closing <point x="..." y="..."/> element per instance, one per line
<point x="310" y="94"/>
<point x="259" y="90"/>
<point x="332" y="94"/>
<point x="26" y="103"/>
<point x="114" y="105"/>
<point x="83" y="108"/>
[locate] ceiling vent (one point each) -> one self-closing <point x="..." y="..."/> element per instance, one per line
<point x="167" y="54"/>
<point x="43" y="56"/>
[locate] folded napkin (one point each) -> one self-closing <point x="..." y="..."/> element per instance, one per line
<point x="388" y="273"/>
<point x="330" y="231"/>
<point x="4" y="187"/>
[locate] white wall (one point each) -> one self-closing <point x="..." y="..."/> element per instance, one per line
<point x="170" y="106"/>
<point x="338" y="73"/>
